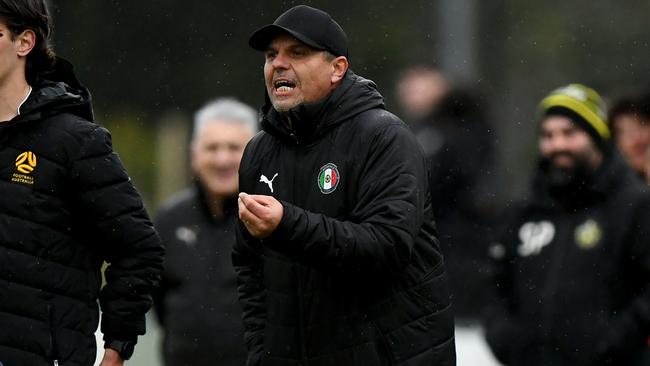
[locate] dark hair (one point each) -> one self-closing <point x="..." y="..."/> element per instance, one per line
<point x="329" y="56"/>
<point x="625" y="106"/>
<point x="21" y="15"/>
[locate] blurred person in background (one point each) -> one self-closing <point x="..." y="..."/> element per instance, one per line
<point x="573" y="264"/>
<point x="630" y="124"/>
<point x="420" y="89"/>
<point x="337" y="255"/>
<point x="451" y="126"/>
<point x="67" y="206"/>
<point x="197" y="303"/>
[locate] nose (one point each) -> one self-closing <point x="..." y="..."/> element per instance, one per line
<point x="280" y="61"/>
<point x="222" y="158"/>
<point x="553" y="143"/>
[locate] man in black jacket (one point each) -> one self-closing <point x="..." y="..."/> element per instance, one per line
<point x="197" y="302"/>
<point x="337" y="257"/>
<point x="67" y="205"/>
<point x="573" y="265"/>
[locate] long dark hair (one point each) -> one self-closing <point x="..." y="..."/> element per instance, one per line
<point x="20" y="15"/>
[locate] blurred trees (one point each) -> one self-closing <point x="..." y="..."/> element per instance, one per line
<point x="143" y="59"/>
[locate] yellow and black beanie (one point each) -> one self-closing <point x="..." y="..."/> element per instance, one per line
<point x="584" y="106"/>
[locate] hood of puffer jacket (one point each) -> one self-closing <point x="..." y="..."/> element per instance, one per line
<point x="54" y="92"/>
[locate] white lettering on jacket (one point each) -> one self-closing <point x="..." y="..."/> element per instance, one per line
<point x="534" y="236"/>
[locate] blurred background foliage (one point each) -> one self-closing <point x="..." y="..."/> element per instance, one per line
<point x="146" y="60"/>
<point x="151" y="63"/>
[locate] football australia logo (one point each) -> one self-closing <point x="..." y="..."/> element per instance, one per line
<point x="25" y="165"/>
<point x="328" y="178"/>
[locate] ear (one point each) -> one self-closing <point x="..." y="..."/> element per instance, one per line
<point x="340" y="67"/>
<point x="25" y="42"/>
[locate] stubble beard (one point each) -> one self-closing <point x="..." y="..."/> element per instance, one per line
<point x="284" y="107"/>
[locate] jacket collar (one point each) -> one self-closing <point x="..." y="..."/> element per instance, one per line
<point x="309" y="121"/>
<point x="229" y="205"/>
<point x="56" y="91"/>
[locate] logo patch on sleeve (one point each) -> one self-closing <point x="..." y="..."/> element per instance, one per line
<point x="328" y="178"/>
<point x="25" y="166"/>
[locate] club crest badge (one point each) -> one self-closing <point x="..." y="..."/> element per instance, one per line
<point x="328" y="178"/>
<point x="588" y="235"/>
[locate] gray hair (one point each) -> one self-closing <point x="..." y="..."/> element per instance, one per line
<point x="228" y="110"/>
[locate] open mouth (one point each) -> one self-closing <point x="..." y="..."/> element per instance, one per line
<point x="283" y="85"/>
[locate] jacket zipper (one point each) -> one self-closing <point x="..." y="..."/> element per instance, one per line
<point x="301" y="320"/>
<point x="299" y="273"/>
<point x="550" y="291"/>
<point x="53" y="347"/>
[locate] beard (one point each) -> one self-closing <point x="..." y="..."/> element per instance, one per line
<point x="567" y="179"/>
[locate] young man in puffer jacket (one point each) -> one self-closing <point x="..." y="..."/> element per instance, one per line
<point x="67" y="205"/>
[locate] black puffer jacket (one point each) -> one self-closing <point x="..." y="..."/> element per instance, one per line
<point x="66" y="206"/>
<point x="353" y="274"/>
<point x="574" y="275"/>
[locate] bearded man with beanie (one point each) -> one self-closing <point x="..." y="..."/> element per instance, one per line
<point x="573" y="263"/>
<point x="337" y="257"/>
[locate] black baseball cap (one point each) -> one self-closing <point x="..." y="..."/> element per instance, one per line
<point x="310" y="26"/>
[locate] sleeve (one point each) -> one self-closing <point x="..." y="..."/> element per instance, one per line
<point x="158" y="297"/>
<point x="159" y="294"/>
<point x="114" y="213"/>
<point x="248" y="264"/>
<point x="629" y="328"/>
<point x="252" y="295"/>
<point x="379" y="237"/>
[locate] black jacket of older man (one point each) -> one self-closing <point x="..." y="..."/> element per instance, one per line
<point x="353" y="274"/>
<point x="197" y="302"/>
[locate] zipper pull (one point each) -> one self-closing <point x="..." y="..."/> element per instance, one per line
<point x="294" y="138"/>
<point x="56" y="362"/>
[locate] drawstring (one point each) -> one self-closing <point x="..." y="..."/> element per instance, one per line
<point x="24" y="100"/>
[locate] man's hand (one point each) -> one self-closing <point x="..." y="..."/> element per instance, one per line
<point x="111" y="358"/>
<point x="260" y="214"/>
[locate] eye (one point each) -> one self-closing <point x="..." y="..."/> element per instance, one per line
<point x="570" y="132"/>
<point x="270" y="55"/>
<point x="234" y="147"/>
<point x="299" y="51"/>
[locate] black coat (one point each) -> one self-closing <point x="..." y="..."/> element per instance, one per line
<point x="197" y="301"/>
<point x="353" y="274"/>
<point x="458" y="143"/>
<point x="574" y="275"/>
<point x="66" y="206"/>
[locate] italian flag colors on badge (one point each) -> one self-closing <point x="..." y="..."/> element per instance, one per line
<point x="328" y="178"/>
